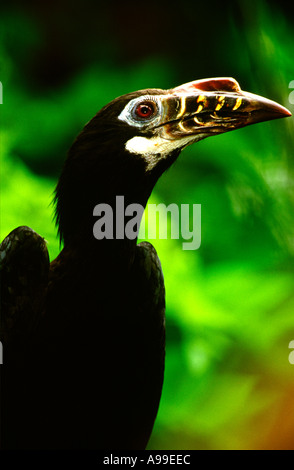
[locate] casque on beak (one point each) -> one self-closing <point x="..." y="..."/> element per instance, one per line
<point x="208" y="107"/>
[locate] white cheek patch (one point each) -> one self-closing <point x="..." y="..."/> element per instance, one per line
<point x="157" y="145"/>
<point x="156" y="148"/>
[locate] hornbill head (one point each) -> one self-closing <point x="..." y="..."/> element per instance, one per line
<point x="185" y="114"/>
<point x="132" y="140"/>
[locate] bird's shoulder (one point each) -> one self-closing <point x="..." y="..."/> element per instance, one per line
<point x="24" y="268"/>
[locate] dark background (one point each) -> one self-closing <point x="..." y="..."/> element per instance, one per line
<point x="230" y="304"/>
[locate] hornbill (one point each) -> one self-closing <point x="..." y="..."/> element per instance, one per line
<point x="84" y="336"/>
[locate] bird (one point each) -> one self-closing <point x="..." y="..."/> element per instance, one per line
<point x="84" y="335"/>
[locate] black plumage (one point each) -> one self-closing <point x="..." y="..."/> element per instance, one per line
<point x="84" y="336"/>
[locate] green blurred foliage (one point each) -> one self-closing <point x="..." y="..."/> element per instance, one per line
<point x="230" y="304"/>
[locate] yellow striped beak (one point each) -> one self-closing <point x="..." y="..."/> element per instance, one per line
<point x="212" y="106"/>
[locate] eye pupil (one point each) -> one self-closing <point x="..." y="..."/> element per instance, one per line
<point x="145" y="110"/>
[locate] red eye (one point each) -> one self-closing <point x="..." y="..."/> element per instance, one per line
<point x="145" y="110"/>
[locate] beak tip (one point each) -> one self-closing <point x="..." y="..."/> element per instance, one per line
<point x="283" y="112"/>
<point x="267" y="109"/>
